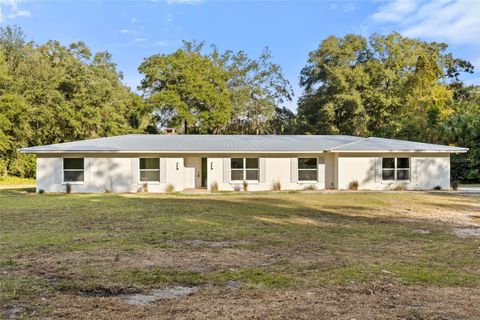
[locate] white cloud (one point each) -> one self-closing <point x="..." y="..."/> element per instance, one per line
<point x="11" y="9"/>
<point x="140" y="39"/>
<point x="454" y="21"/>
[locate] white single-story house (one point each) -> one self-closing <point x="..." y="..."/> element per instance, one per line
<point x="132" y="163"/>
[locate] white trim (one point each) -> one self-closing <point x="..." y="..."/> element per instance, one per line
<point x="149" y="170"/>
<point x="395" y="169"/>
<point x="63" y="171"/>
<point x="303" y="169"/>
<point x="463" y="150"/>
<point x="244" y="170"/>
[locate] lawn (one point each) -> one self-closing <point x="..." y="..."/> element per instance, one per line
<point x="279" y="255"/>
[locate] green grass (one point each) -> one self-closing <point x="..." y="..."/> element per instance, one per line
<point x="10" y="180"/>
<point x="92" y="244"/>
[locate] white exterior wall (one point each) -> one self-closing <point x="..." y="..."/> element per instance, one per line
<point x="337" y="171"/>
<point x="118" y="173"/>
<point x="426" y="171"/>
<point x="277" y="168"/>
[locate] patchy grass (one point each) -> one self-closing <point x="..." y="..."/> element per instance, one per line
<point x="291" y="253"/>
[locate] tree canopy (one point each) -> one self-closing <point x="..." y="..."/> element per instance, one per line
<point x="52" y="93"/>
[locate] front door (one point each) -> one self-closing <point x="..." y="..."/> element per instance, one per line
<point x="204" y="172"/>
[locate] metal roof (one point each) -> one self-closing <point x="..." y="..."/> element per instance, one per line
<point x="238" y="143"/>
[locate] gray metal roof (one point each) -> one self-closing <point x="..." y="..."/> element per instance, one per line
<point x="237" y="143"/>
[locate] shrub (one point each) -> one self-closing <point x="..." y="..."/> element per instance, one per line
<point x="170" y="188"/>
<point x="245" y="185"/>
<point x="214" y="186"/>
<point x="41" y="191"/>
<point x="399" y="187"/>
<point x="145" y="187"/>
<point x="277" y="186"/>
<point x="310" y="187"/>
<point x="236" y="188"/>
<point x="437" y="188"/>
<point x="108" y="188"/>
<point x="455" y="184"/>
<point x="68" y="188"/>
<point x="353" y="185"/>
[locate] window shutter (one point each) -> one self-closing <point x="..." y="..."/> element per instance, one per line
<point x="294" y="170"/>
<point x="135" y="169"/>
<point x="321" y="169"/>
<point x="163" y="169"/>
<point x="263" y="173"/>
<point x="86" y="169"/>
<point x="226" y="170"/>
<point x="378" y="169"/>
<point x="413" y="169"/>
<point x="58" y="170"/>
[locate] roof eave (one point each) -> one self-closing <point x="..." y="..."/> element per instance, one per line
<point x="462" y="150"/>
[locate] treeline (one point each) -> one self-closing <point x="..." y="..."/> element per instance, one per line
<point x="388" y="86"/>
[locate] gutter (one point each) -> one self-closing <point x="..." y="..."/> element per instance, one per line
<point x="26" y="151"/>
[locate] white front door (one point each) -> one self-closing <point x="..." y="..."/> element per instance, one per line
<point x="189" y="177"/>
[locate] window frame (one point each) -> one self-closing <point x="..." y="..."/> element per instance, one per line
<point x="244" y="170"/>
<point x="148" y="170"/>
<point x="396" y="169"/>
<point x="72" y="170"/>
<point x="303" y="169"/>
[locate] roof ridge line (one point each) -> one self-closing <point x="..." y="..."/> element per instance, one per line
<point x="350" y="143"/>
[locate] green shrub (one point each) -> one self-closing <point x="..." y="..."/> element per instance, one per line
<point x="68" y="188"/>
<point x="276" y="185"/>
<point x="245" y="185"/>
<point x="41" y="191"/>
<point x="455" y="184"/>
<point x="170" y="188"/>
<point x="437" y="188"/>
<point x="214" y="186"/>
<point x="353" y="185"/>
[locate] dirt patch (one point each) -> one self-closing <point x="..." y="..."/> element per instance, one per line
<point x="234" y="284"/>
<point x="13" y="311"/>
<point x="466" y="232"/>
<point x="159" y="294"/>
<point x="208" y="244"/>
<point x="109" y="291"/>
<point x="369" y="301"/>
<point x="421" y="231"/>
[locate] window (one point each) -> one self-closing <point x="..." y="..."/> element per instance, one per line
<point x="307" y="169"/>
<point x="150" y="169"/>
<point x="244" y="169"/>
<point x="395" y="169"/>
<point x="73" y="170"/>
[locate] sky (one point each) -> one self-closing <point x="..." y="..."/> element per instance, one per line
<point x="134" y="30"/>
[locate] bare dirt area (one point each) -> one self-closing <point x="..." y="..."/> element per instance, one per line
<point x="269" y="256"/>
<point x="372" y="301"/>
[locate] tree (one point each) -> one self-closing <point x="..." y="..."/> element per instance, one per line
<point x="52" y="93"/>
<point x="257" y="87"/>
<point x="187" y="90"/>
<point x="389" y="86"/>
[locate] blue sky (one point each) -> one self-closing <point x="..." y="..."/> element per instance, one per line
<point x="133" y="30"/>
